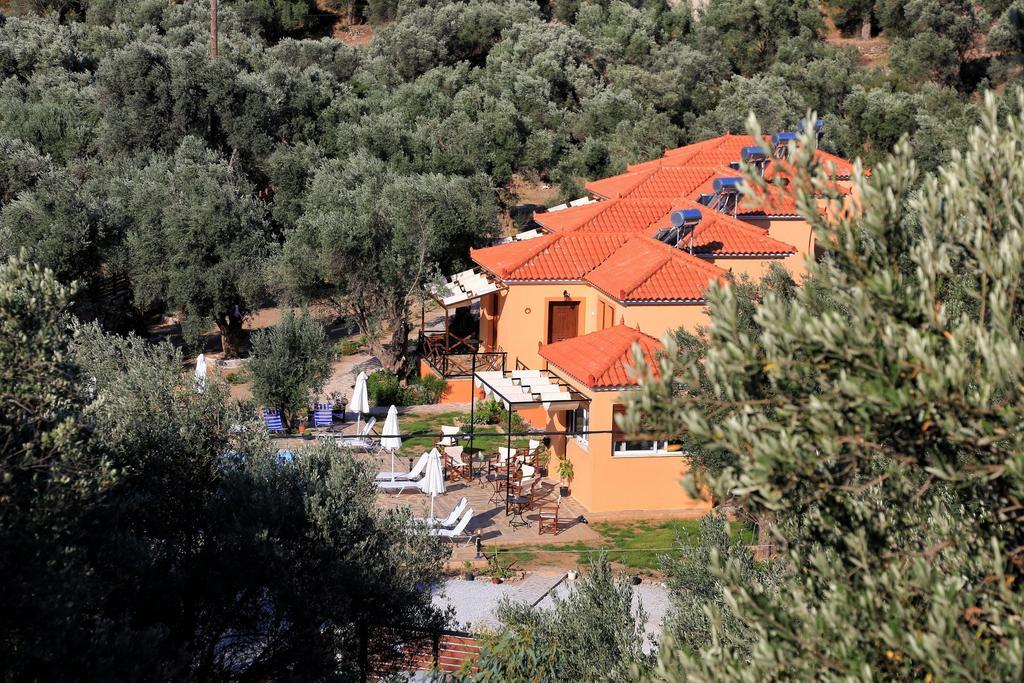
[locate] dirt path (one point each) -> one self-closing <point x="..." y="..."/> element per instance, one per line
<point x="355" y="35"/>
<point x="872" y="51"/>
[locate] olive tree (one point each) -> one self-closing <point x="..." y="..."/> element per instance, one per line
<point x="371" y="238"/>
<point x="290" y="363"/>
<point x="147" y="536"/>
<point x="884" y="431"/>
<point x="199" y="242"/>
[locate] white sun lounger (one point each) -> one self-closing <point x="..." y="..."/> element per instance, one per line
<point x="366" y="441"/>
<point x="460" y="529"/>
<point x="398" y="485"/>
<point x="414" y="473"/>
<point x="448" y="521"/>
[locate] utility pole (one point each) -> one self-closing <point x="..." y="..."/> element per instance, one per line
<point x="213" y="30"/>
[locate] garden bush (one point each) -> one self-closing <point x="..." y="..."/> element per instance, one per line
<point x="384" y="389"/>
<point x="491" y="412"/>
<point x="290" y="363"/>
<point x="349" y="347"/>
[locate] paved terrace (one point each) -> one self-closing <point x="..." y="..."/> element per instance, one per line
<point x="489" y="520"/>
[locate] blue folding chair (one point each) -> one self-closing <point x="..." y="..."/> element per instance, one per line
<point x="323" y="415"/>
<point x="272" y="420"/>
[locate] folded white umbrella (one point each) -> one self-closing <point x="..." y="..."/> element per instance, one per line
<point x="390" y="438"/>
<point x="432" y="483"/>
<point x="360" y="402"/>
<point x="201" y="373"/>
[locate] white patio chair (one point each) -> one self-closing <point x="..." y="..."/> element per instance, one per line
<point x="366" y="441"/>
<point x="453" y="460"/>
<point x="505" y="455"/>
<point x="448" y="438"/>
<point x="528" y="472"/>
<point x="398" y="485"/>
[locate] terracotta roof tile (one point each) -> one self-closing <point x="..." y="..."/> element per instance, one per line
<point x="551" y="257"/>
<point x="606" y="216"/>
<point x="603" y="359"/>
<point x="725" y="149"/>
<point x="723" y="235"/>
<point x="617" y="185"/>
<point x="644" y="269"/>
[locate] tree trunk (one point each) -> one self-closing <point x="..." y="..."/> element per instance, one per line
<point x="392" y="353"/>
<point x="865" y="27"/>
<point x="765" y="539"/>
<point x="233" y="336"/>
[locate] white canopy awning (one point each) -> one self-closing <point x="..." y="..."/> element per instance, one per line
<point x="465" y="286"/>
<point x="529" y="388"/>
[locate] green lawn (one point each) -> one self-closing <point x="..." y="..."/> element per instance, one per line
<point x="485" y="437"/>
<point x="635" y="545"/>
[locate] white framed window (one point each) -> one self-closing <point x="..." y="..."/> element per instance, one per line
<point x="624" y="446"/>
<point x="577" y="423"/>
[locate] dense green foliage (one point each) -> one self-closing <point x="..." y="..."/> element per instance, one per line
<point x="370" y="238"/>
<point x="701" y="614"/>
<point x="877" y="415"/>
<point x="594" y="633"/>
<point x="384" y="388"/>
<point x="290" y="364"/>
<point x="372" y="169"/>
<point x="146" y="538"/>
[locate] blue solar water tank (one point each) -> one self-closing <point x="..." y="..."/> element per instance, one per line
<point x="752" y="154"/>
<point x="726" y="185"/>
<point x="685" y="217"/>
<point x="784" y="137"/>
<point x="818" y="125"/>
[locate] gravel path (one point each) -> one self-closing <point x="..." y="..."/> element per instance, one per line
<point x="475" y="601"/>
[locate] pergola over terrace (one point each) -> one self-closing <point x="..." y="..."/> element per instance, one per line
<point x="522" y="389"/>
<point x="451" y="354"/>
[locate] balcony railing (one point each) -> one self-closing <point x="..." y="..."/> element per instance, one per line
<point x="453" y="356"/>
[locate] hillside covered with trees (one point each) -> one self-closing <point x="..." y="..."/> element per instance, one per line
<point x="871" y="419"/>
<point x="164" y="181"/>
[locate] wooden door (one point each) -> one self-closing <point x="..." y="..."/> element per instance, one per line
<point x="563" y="320"/>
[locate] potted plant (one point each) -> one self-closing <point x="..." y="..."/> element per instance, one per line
<point x="338" y="404"/>
<point x="467" y="573"/>
<point x="542" y="457"/>
<point x="565" y="473"/>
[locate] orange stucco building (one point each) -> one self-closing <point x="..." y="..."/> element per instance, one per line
<point x="598" y="279"/>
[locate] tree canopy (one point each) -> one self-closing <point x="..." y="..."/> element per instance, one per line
<point x="99" y="97"/>
<point x="151" y="531"/>
<point x="876" y="415"/>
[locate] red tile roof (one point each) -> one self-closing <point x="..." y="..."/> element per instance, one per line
<point x="603" y="359"/>
<point x="618" y="185"/>
<point x="565" y="256"/>
<point x="724" y="235"/>
<point x="633" y="215"/>
<point x="644" y="269"/>
<point x="716" y="233"/>
<point x="666" y="182"/>
<point x="725" y="149"/>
